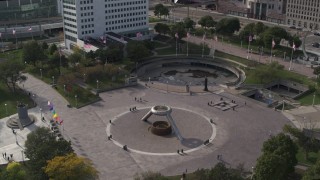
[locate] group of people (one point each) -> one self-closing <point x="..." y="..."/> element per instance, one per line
<point x="9" y="157"/>
<point x="180" y="151"/>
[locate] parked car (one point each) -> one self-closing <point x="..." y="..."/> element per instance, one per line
<point x="315" y="44"/>
<point x="292" y="27"/>
<point x="317" y="33"/>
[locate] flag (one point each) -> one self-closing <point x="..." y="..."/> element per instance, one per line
<point x="294" y="47"/>
<point x="216" y="38"/>
<point x="14" y="31"/>
<point x="204" y="37"/>
<point x="250" y="38"/>
<point x="87" y="46"/>
<point x="49" y="103"/>
<point x="55" y="115"/>
<point x="139" y="34"/>
<point x="30" y="28"/>
<point x="61" y="122"/>
<point x="176" y="35"/>
<point x="104" y="41"/>
<point x="273" y="43"/>
<point x="188" y="35"/>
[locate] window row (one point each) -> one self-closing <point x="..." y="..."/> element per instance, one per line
<point x="126" y="3"/>
<point x="87" y="32"/>
<point x="86" y="1"/>
<point x="69" y="7"/>
<point x="86" y="14"/>
<point x="71" y="31"/>
<point x="87" y="26"/>
<point x="125" y="15"/>
<point x="126" y="20"/>
<point x="70" y="19"/>
<point x="70" y="25"/>
<point x="86" y="8"/>
<point x="69" y="13"/>
<point x="125" y="26"/>
<point x="87" y="20"/>
<point x="71" y="38"/>
<point x="126" y="9"/>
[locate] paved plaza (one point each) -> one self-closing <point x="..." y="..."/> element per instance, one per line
<point x="238" y="138"/>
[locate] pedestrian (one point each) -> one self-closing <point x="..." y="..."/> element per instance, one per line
<point x="135" y="98"/>
<point x="211" y="102"/>
<point x="11" y="155"/>
<point x="208" y="104"/>
<point x="8" y="158"/>
<point x="245" y="103"/>
<point x="233" y="108"/>
<point x="141" y="99"/>
<point x="218" y="156"/>
<point x="110" y="121"/>
<point x="135" y="108"/>
<point x="5" y="154"/>
<point x="182" y="151"/>
<point x="130" y="109"/>
<point x="178" y="151"/>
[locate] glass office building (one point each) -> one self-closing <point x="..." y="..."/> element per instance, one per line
<point x="19" y="11"/>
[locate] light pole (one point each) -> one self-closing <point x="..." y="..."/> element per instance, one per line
<point x="52" y="80"/>
<point x="84" y="77"/>
<point x="167" y="85"/>
<point x="314" y="96"/>
<point x="22" y="156"/>
<point x="76" y="98"/>
<point x="5" y="105"/>
<point x="97" y="84"/>
<point x="41" y="73"/>
<point x="284" y="56"/>
<point x="41" y="113"/>
<point x="64" y="88"/>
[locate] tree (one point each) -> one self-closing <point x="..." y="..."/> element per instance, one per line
<point x="309" y="144"/>
<point x="10" y="73"/>
<point x="41" y="146"/>
<point x="268" y="73"/>
<point x="137" y="50"/>
<point x="247" y="31"/>
<point x="53" y="48"/>
<point x="13" y="171"/>
<point x="270" y="167"/>
<point x="218" y="172"/>
<point x="179" y="29"/>
<point x="44" y="45"/>
<point x="149" y="175"/>
<point x="207" y="21"/>
<point x="228" y="26"/>
<point x="312" y="172"/>
<point x="278" y="158"/>
<point x="274" y="33"/>
<point x="188" y="23"/>
<point x="316" y="71"/>
<point x="71" y="166"/>
<point x="161" y="28"/>
<point x="160" y="10"/>
<point x="259" y="28"/>
<point x="296" y="40"/>
<point x="32" y="53"/>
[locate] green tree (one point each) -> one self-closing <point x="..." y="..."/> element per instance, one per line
<point x="10" y="73"/>
<point x="179" y="29"/>
<point x="161" y="10"/>
<point x="13" y="171"/>
<point x="266" y="74"/>
<point x="71" y="166"/>
<point x="274" y="33"/>
<point x="309" y="144"/>
<point x="312" y="172"/>
<point x="259" y="28"/>
<point x="316" y="71"/>
<point x="247" y="31"/>
<point x="162" y="28"/>
<point x="228" y="26"/>
<point x="53" y="48"/>
<point x="137" y="50"/>
<point x="41" y="146"/>
<point x="45" y="45"/>
<point x="207" y="21"/>
<point x="32" y="53"/>
<point x="270" y="167"/>
<point x="149" y="175"/>
<point x="296" y="40"/>
<point x="188" y="23"/>
<point x="278" y="158"/>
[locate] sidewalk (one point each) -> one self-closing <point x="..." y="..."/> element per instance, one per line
<point x="242" y="52"/>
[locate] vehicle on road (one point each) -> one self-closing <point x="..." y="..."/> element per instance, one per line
<point x="317" y="33"/>
<point x="292" y="27"/>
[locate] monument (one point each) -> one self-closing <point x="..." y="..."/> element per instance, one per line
<point x="162" y="128"/>
<point x="22" y="120"/>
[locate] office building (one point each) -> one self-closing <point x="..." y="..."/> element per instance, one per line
<point x="303" y="14"/>
<point x="85" y="19"/>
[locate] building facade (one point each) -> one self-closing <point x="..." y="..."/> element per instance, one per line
<point x="93" y="19"/>
<point x="303" y="14"/>
<point x="20" y="15"/>
<point x="270" y="10"/>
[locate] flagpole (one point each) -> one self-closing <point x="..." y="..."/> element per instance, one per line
<point x="16" y="41"/>
<point x="188" y="47"/>
<point x="176" y="46"/>
<point x="291" y="60"/>
<point x="271" y="54"/>
<point x="2" y="44"/>
<point x="248" y="49"/>
<point x="204" y="36"/>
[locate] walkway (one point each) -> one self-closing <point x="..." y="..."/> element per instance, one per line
<point x="242" y="52"/>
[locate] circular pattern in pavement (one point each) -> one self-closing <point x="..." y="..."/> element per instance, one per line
<point x="128" y="129"/>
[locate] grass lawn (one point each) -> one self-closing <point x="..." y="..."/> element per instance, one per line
<point x="155" y="19"/>
<point x="312" y="157"/>
<point x="14" y="54"/>
<point x="11" y="99"/>
<point x="157" y="44"/>
<point x="235" y="58"/>
<point x="107" y="83"/>
<point x="307" y="99"/>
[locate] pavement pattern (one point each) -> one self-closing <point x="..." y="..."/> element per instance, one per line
<point x="239" y="133"/>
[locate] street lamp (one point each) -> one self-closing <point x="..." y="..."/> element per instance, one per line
<point x="41" y="73"/>
<point x="84" y="77"/>
<point x="52" y="80"/>
<point x="97" y="84"/>
<point x="41" y="113"/>
<point x="76" y="97"/>
<point x="64" y="88"/>
<point x="6" y="109"/>
<point x="284" y="56"/>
